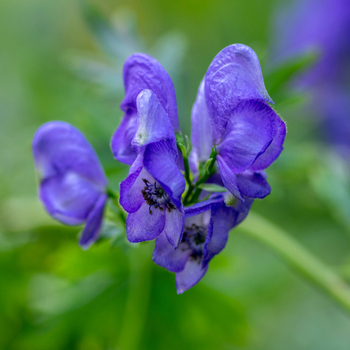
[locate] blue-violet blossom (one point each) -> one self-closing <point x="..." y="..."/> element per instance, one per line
<point x="231" y="114"/>
<point x="151" y="194"/>
<point x="72" y="181"/>
<point x="141" y="72"/>
<point x="207" y="225"/>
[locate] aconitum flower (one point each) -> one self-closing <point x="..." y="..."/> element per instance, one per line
<point x="141" y="72"/>
<point x="322" y="26"/>
<point x="72" y="182"/>
<point x="246" y="133"/>
<point x="207" y="225"/>
<point x="151" y="194"/>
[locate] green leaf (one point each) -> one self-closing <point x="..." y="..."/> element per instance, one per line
<point x="117" y="41"/>
<point x="283" y="73"/>
<point x="212" y="188"/>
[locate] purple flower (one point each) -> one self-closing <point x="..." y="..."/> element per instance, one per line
<point x="72" y="181"/>
<point x="327" y="32"/>
<point x="231" y="113"/>
<point x="151" y="194"/>
<point x="207" y="225"/>
<point x="141" y="72"/>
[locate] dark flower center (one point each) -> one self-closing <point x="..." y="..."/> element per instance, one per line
<point x="194" y="238"/>
<point x="156" y="197"/>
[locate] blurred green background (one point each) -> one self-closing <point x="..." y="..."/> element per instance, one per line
<point x="62" y="60"/>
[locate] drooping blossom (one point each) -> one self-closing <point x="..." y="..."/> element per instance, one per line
<point x="231" y="114"/>
<point x="72" y="182"/>
<point x="141" y="72"/>
<point x="207" y="225"/>
<point x="151" y="194"/>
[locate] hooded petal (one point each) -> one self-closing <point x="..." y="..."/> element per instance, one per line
<point x="167" y="256"/>
<point x="222" y="220"/>
<point x="190" y="275"/>
<point x="69" y="198"/>
<point x="59" y="147"/>
<point x="160" y="160"/>
<point x="201" y="137"/>
<point x="228" y="178"/>
<point x="274" y="150"/>
<point x="233" y="75"/>
<point x="144" y="72"/>
<point x="251" y="129"/>
<point x="93" y="223"/>
<point x="143" y="226"/>
<point x="253" y="184"/>
<point x="153" y="123"/>
<point x="121" y="141"/>
<point x="71" y="177"/>
<point x="174" y="226"/>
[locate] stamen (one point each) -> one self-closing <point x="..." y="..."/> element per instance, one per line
<point x="194" y="238"/>
<point x="155" y="196"/>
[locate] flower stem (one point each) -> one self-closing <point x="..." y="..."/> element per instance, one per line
<point x="115" y="200"/>
<point x="204" y="177"/>
<point x="298" y="258"/>
<point x="138" y="297"/>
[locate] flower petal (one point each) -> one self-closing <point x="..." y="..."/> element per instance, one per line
<point x="143" y="226"/>
<point x="201" y="207"/>
<point x="59" y="147"/>
<point x="167" y="256"/>
<point x="251" y="129"/>
<point x="153" y="122"/>
<point x="190" y="275"/>
<point x="233" y="75"/>
<point x="274" y="150"/>
<point x="131" y="196"/>
<point x="222" y="220"/>
<point x="121" y="141"/>
<point x="229" y="178"/>
<point x="253" y="185"/>
<point x="174" y="226"/>
<point x="69" y="198"/>
<point x="144" y="72"/>
<point x="201" y="137"/>
<point x="160" y="160"/>
<point x="243" y="209"/>
<point x="93" y="223"/>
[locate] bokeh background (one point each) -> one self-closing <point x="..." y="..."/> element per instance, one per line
<point x="62" y="60"/>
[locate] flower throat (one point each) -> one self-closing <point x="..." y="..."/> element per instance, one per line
<point x="156" y="197"/>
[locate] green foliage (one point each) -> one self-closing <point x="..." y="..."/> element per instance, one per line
<point x="55" y="296"/>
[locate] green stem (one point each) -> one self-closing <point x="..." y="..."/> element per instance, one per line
<point x="205" y="176"/>
<point x="183" y="151"/>
<point x="138" y="297"/>
<point x="298" y="257"/>
<point x="115" y="200"/>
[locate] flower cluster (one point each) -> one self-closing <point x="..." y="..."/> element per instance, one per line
<point x="185" y="196"/>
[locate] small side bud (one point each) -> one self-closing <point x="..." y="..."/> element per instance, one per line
<point x="207" y="165"/>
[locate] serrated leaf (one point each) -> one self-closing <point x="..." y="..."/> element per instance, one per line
<point x="117" y="43"/>
<point x="212" y="188"/>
